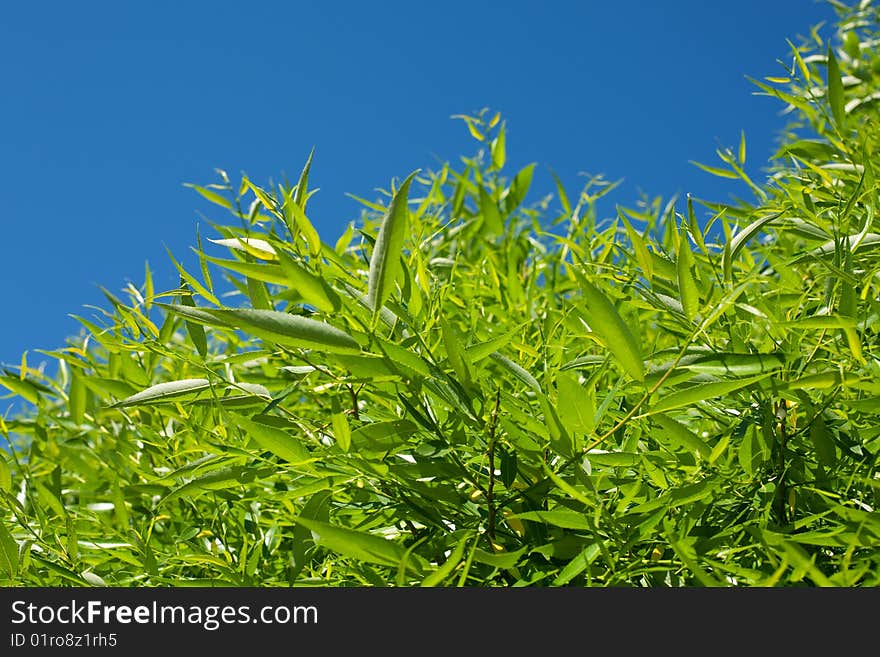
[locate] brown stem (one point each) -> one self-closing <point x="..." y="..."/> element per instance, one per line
<point x="354" y="402"/>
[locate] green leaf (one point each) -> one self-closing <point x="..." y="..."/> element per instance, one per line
<point x="608" y="325"/>
<point x="518" y="189"/>
<point x="302" y="185"/>
<point x="281" y="328"/>
<point x="360" y="546"/>
<point x="503" y="560"/>
<point x="212" y="196"/>
<point x="77" y="397"/>
<point x="448" y="566"/>
<point x="702" y="392"/>
<point x="822" y="442"/>
<point x="265" y="272"/>
<point x="491" y="215"/>
<point x="565" y="518"/>
<point x="739" y="241"/>
<point x="835" y="91"/>
<point x="274" y="440"/>
<point x="575" y="406"/>
<point x="8" y="551"/>
<point x="170" y="391"/>
<point x="517" y="371"/>
<point x="385" y="260"/>
<point x="687" y="283"/>
<point x="341" y="431"/>
<point x="499" y="149"/>
<point x="578" y="565"/>
<point x="679" y="435"/>
<point x="313" y="289"/>
<point x="23" y="388"/>
<point x="734" y="364"/>
<point x="195" y="330"/>
<point x="256" y="247"/>
<point x="383" y="436"/>
<point x="5" y="475"/>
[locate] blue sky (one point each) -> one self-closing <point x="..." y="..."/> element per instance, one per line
<point x="109" y="107"/>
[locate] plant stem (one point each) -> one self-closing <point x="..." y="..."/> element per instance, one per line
<point x="490" y="489"/>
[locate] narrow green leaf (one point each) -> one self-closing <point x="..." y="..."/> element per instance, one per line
<point x="835" y="91"/>
<point x="77" y="397"/>
<point x="5" y="475"/>
<point x="739" y="240"/>
<point x="274" y="440"/>
<point x="281" y="328"/>
<point x="491" y="215"/>
<point x="517" y="371"/>
<point x="170" y="391"/>
<point x="715" y="171"/>
<point x="385" y="260"/>
<point x="499" y="149"/>
<point x="256" y="247"/>
<point x="445" y="570"/>
<point x="822" y="442"/>
<point x="383" y="436"/>
<point x="341" y="431"/>
<point x="360" y="546"/>
<point x="677" y="434"/>
<point x="268" y="273"/>
<point x="565" y="518"/>
<point x="609" y="326"/>
<point x="688" y="291"/>
<point x="195" y="331"/>
<point x="212" y="196"/>
<point x="24" y="388"/>
<point x="575" y="406"/>
<point x="302" y="186"/>
<point x="578" y="565"/>
<point x="8" y="551"/>
<point x="518" y="189"/>
<point x="313" y="289"/>
<point x="702" y="392"/>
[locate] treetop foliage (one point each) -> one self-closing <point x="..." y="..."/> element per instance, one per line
<point x="469" y="387"/>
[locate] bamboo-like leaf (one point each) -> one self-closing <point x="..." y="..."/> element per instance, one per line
<point x="256" y="247"/>
<point x="313" y="289"/>
<point x="76" y="397"/>
<point x="279" y="442"/>
<point x="448" y="566"/>
<point x="499" y="149"/>
<point x="565" y="518"/>
<point x="518" y="189"/>
<point x="265" y="272"/>
<point x="360" y="546"/>
<point x="736" y="244"/>
<point x="385" y="260"/>
<point x="8" y="551"/>
<point x="703" y="392"/>
<point x="688" y="291"/>
<point x="517" y="371"/>
<point x="212" y="196"/>
<point x="491" y="215"/>
<point x="281" y="328"/>
<point x="679" y="435"/>
<point x="301" y="196"/>
<point x="341" y="431"/>
<point x="609" y="326"/>
<point x="575" y="406"/>
<point x="166" y="392"/>
<point x="835" y="91"/>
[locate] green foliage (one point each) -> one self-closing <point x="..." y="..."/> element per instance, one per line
<point x="471" y="389"/>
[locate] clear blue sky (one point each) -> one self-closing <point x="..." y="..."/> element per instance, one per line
<point x="108" y="107"/>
